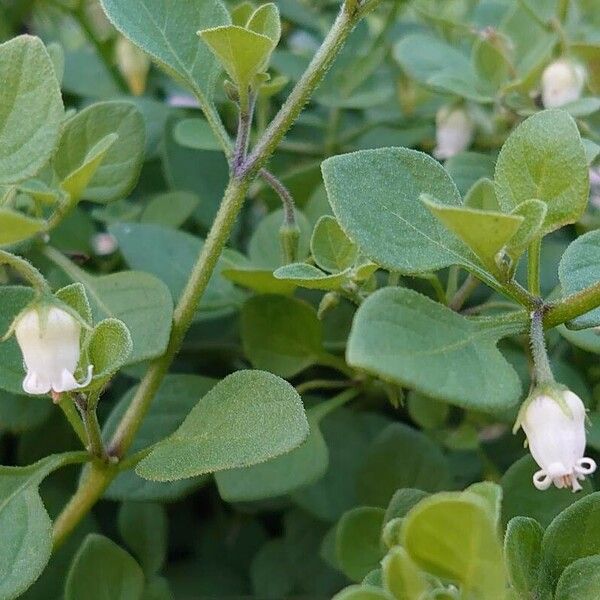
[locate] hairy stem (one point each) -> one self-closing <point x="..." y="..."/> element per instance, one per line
<point x="26" y="270"/>
<point x="65" y="403"/>
<point x="541" y="364"/>
<point x="572" y="306"/>
<point x="533" y="266"/>
<point x="100" y="475"/>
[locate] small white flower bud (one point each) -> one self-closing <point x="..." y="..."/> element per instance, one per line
<point x="556" y="435"/>
<point x="49" y="340"/>
<point x="562" y="83"/>
<point x="104" y="244"/>
<point x="454" y="132"/>
<point x="134" y="64"/>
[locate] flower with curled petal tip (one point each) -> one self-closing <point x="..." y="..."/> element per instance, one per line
<point x="49" y="340"/>
<point x="555" y="429"/>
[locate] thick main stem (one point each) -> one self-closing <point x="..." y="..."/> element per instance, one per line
<point x="184" y="314"/>
<point x="100" y="476"/>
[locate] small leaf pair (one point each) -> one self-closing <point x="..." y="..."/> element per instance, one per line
<point x="244" y="52"/>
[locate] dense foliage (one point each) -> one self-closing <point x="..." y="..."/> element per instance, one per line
<point x="285" y="289"/>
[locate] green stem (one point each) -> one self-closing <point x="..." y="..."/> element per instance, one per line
<point x="452" y="285"/>
<point x="533" y="267"/>
<point x="26" y="270"/>
<point x="100" y="475"/>
<point x="541" y="364"/>
<point x="183" y="316"/>
<point x="96" y="479"/>
<point x="66" y="404"/>
<point x="322" y="384"/>
<point x="95" y="444"/>
<point x="300" y="95"/>
<point x="470" y="284"/>
<point x="572" y="306"/>
<point x="335" y="362"/>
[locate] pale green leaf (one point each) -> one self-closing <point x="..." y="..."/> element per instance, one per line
<point x="534" y="214"/>
<point x="544" y="158"/>
<point x="522" y="552"/>
<point x="175" y="398"/>
<point x="243" y="53"/>
<point x="281" y="334"/>
<point x="358" y="541"/>
<point x="247" y="418"/>
<point x="579" y="268"/>
<point x="167" y="32"/>
<point x="32" y="108"/>
<point x="308" y="276"/>
<point x="451" y="535"/>
<point x="375" y="197"/>
<point x="363" y="592"/>
<point x="91" y="161"/>
<point x="16" y="227"/>
<point x="403" y="336"/>
<point x="331" y="248"/>
<point x="108" y="348"/>
<point x="265" y="20"/>
<point x="401" y="577"/>
<point x="485" y="232"/>
<point x="101" y="570"/>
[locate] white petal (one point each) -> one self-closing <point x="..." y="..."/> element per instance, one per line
<point x="541" y="480"/>
<point x="585" y="466"/>
<point x="35" y="385"/>
<point x="67" y="381"/>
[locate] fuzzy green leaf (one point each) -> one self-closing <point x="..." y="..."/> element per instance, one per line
<point x="167" y="32"/>
<point x="101" y="569"/>
<point x="16" y="227"/>
<point x="26" y="526"/>
<point x="331" y="248"/>
<point x="101" y="151"/>
<point x="32" y="108"/>
<point x="246" y="419"/>
<point x="375" y="197"/>
<point x="544" y="158"/>
<point x="281" y="334"/>
<point x="451" y="535"/>
<point x="523" y="551"/>
<point x="401" y="335"/>
<point x="579" y="268"/>
<point x="485" y="232"/>
<point x="358" y="541"/>
<point x="243" y="53"/>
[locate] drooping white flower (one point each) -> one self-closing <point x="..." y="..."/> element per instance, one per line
<point x="562" y="83"/>
<point x="454" y="132"/>
<point x="49" y="341"/>
<point x="555" y="432"/>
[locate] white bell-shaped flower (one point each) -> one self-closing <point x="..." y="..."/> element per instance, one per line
<point x="454" y="132"/>
<point x="556" y="435"/>
<point x="49" y="340"/>
<point x="562" y="83"/>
